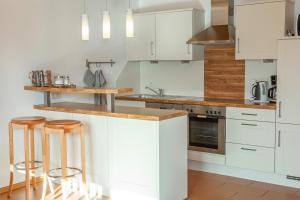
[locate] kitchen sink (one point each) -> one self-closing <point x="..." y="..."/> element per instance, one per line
<point x="151" y="96"/>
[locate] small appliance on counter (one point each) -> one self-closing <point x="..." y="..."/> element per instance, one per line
<point x="260" y="92"/>
<point x="273" y="90"/>
<point x="63" y="81"/>
<point x="40" y="78"/>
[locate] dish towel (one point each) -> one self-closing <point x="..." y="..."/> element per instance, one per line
<point x="100" y="81"/>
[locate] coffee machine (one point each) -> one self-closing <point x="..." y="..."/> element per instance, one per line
<point x="272" y="92"/>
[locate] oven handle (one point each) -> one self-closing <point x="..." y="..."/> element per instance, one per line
<point x="205" y="116"/>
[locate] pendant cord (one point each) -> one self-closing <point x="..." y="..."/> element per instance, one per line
<point x="129" y="4"/>
<point x="106" y="5"/>
<point x="84" y="6"/>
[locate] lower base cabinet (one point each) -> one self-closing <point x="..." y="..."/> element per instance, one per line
<point x="288" y="150"/>
<point x="250" y="157"/>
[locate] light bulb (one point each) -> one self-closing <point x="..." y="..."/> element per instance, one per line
<point x="129" y="24"/>
<point x="85" y="31"/>
<point x="106" y="25"/>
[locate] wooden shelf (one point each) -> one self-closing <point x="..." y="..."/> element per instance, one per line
<point x="80" y="90"/>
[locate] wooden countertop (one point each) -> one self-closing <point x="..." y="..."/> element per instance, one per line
<point x="120" y="111"/>
<point x="203" y="101"/>
<point x="80" y="90"/>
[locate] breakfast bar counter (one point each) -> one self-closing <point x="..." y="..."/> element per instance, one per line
<point x="132" y="153"/>
<point x="119" y="112"/>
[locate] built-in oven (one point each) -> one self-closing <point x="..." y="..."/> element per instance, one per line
<point x="206" y="128"/>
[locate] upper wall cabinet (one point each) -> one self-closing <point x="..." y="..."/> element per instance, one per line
<point x="163" y="36"/>
<point x="143" y="44"/>
<point x="259" y="26"/>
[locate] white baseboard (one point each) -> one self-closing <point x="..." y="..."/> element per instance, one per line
<point x="207" y="157"/>
<point x="243" y="173"/>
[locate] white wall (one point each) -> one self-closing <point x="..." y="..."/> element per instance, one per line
<point x="257" y="70"/>
<point x="175" y="78"/>
<point x="43" y="34"/>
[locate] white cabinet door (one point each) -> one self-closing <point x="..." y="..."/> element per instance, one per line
<point x="173" y="31"/>
<point x="134" y="156"/>
<point x="287" y="150"/>
<point x="250" y="157"/>
<point x="142" y="45"/>
<point x="258" y="27"/>
<point x="250" y="132"/>
<point x="288" y="70"/>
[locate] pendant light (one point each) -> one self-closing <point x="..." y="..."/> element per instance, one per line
<point x="129" y="22"/>
<point x="106" y="23"/>
<point x="85" y="30"/>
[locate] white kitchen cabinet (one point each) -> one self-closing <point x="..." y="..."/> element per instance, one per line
<point x="250" y="114"/>
<point x="142" y="45"/>
<point x="163" y="35"/>
<point x="172" y="31"/>
<point x="287" y="150"/>
<point x="250" y="138"/>
<point x="288" y="70"/>
<point x="250" y="157"/>
<point x="259" y="26"/>
<point x="251" y="133"/>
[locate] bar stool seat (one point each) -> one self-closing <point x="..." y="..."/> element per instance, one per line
<point x="65" y="125"/>
<point x="29" y="121"/>
<point x="30" y="165"/>
<point x="64" y="172"/>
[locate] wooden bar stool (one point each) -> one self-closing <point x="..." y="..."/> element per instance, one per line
<point x="63" y="128"/>
<point x="30" y="165"/>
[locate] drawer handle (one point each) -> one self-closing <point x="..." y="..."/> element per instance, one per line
<point x="249" y="114"/>
<point x="247" y="149"/>
<point x="244" y="124"/>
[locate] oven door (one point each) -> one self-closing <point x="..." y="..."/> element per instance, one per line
<point x="207" y="133"/>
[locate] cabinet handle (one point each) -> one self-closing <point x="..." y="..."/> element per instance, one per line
<point x="249" y="114"/>
<point x="188" y="49"/>
<point x="246" y="149"/>
<point x="279" y="138"/>
<point x="244" y="124"/>
<point x="152" y="48"/>
<point x="238" y="45"/>
<point x="279" y="109"/>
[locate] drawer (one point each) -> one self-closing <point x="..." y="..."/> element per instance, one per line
<point x="251" y="114"/>
<point x="250" y="132"/>
<point x="250" y="157"/>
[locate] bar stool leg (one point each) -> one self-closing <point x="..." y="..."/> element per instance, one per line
<point x="63" y="141"/>
<point x="11" y="158"/>
<point x="44" y="141"/>
<point x="83" y="165"/>
<point x="32" y="155"/>
<point x="27" y="175"/>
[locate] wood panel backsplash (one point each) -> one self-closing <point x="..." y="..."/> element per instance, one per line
<point x="224" y="77"/>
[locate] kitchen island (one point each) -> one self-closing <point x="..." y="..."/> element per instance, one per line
<point x="132" y="153"/>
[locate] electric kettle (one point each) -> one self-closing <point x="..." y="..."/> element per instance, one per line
<point x="260" y="91"/>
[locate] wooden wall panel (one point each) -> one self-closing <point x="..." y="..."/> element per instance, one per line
<point x="224" y="77"/>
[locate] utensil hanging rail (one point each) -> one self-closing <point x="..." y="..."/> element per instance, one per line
<point x="88" y="63"/>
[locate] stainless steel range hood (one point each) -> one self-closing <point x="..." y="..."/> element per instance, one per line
<point x="222" y="30"/>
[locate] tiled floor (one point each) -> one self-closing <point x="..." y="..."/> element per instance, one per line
<point x="205" y="186"/>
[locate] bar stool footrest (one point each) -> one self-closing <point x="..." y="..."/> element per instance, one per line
<point x="20" y="166"/>
<point x="56" y="174"/>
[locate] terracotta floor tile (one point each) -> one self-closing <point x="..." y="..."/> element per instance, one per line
<point x="244" y="189"/>
<point x="280" y="196"/>
<point x="272" y="187"/>
<point x="243" y="196"/>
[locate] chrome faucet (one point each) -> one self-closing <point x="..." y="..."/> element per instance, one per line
<point x="160" y="91"/>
